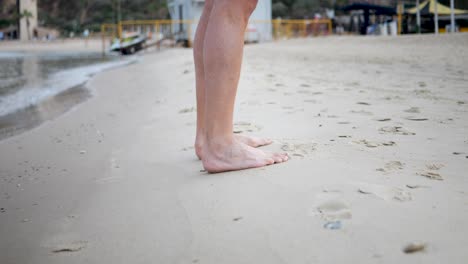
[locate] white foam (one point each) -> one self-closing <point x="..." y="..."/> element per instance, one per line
<point x="55" y="84"/>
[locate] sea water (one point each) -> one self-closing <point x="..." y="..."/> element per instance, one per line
<point x="26" y="79"/>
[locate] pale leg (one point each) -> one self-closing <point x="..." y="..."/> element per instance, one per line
<point x="200" y="86"/>
<point x="222" y="59"/>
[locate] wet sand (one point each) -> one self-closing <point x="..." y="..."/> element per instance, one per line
<point x="377" y="132"/>
<point x="34" y="115"/>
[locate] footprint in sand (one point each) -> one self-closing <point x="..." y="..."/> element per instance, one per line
<point x="334" y="210"/>
<point x="421" y="92"/>
<point x="295" y="111"/>
<point x="363" y="103"/>
<point x="414" y="110"/>
<point x="361" y="112"/>
<point x="391" y="166"/>
<point x="304" y="92"/>
<point x="386" y="119"/>
<point x="70" y="248"/>
<point x="373" y="144"/>
<point x="312" y="101"/>
<point x="353" y="84"/>
<point x="297" y="148"/>
<point x="395" y="130"/>
<point x="431" y="172"/>
<point x="390" y="98"/>
<point x="385" y="192"/>
<point x="187" y="110"/>
<point x="190" y="148"/>
<point x="435" y="166"/>
<point x="431" y="175"/>
<point x="416" y="118"/>
<point x="242" y="127"/>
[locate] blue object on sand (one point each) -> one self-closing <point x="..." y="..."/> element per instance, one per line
<point x="333" y="225"/>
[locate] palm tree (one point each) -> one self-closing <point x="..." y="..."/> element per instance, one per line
<point x="27" y="14"/>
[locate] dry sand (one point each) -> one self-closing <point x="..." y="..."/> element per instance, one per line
<point x="377" y="132"/>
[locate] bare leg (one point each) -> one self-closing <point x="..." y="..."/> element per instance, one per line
<point x="200" y="74"/>
<point x="200" y="86"/>
<point x="222" y="59"/>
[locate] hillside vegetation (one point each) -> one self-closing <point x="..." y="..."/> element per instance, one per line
<point x="75" y="16"/>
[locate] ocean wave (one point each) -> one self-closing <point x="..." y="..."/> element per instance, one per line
<point x="54" y="84"/>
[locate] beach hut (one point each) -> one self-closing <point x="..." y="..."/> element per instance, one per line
<point x="429" y="7"/>
<point x="190" y="10"/>
<point x="367" y="11"/>
<point x="434" y="8"/>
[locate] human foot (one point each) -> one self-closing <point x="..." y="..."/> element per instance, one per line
<point x="230" y="154"/>
<point x="253" y="141"/>
<point x="248" y="140"/>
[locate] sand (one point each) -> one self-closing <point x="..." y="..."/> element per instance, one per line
<point x="377" y="132"/>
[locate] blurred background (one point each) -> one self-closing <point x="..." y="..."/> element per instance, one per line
<point x="45" y="19"/>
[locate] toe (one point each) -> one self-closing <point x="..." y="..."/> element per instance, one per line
<point x="277" y="158"/>
<point x="270" y="161"/>
<point x="266" y="142"/>
<point x="282" y="157"/>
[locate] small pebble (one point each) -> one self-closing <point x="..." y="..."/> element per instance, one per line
<point x="414" y="247"/>
<point x="237" y="219"/>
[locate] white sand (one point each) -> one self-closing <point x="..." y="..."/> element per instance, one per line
<point x="115" y="180"/>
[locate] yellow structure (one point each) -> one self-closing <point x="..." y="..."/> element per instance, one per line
<point x="158" y="30"/>
<point x="429" y="7"/>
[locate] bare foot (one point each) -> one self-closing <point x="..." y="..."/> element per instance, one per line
<point x="230" y="154"/>
<point x="253" y="141"/>
<point x="248" y="140"/>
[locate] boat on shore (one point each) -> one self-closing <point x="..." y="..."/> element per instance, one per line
<point x="129" y="44"/>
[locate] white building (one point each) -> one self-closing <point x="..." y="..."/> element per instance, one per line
<point x="26" y="31"/>
<point x="257" y="30"/>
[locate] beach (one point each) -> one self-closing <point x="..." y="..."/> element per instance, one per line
<point x="376" y="128"/>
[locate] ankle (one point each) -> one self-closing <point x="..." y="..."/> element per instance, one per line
<point x="218" y="143"/>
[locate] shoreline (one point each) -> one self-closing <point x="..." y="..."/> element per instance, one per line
<point x="26" y="118"/>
